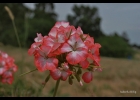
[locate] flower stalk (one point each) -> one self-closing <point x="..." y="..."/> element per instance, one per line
<point x="56" y="87"/>
<point x="65" y="52"/>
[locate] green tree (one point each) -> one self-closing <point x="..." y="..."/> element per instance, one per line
<point x="88" y="19"/>
<point x="125" y="37"/>
<point x="7" y="35"/>
<point x="43" y="20"/>
<point x="115" y="46"/>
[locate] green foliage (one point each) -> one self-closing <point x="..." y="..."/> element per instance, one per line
<point x="42" y="18"/>
<point x="114" y="46"/>
<point x="87" y="18"/>
<point x="19" y="88"/>
<point x="7" y="33"/>
<point x="28" y="22"/>
<point x="38" y="26"/>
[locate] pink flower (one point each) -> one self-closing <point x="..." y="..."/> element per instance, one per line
<point x="43" y="63"/>
<point x="8" y="80"/>
<point x="34" y="48"/>
<point x="7" y="68"/>
<point x="94" y="54"/>
<point x="57" y="36"/>
<point x="3" y="66"/>
<point x="61" y="24"/>
<point x="76" y="49"/>
<point x="65" y="43"/>
<point x="62" y="73"/>
<point x="39" y="38"/>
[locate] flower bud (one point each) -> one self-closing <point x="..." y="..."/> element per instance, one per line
<point x="81" y="83"/>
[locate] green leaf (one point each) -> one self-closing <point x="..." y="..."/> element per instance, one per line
<point x="70" y="80"/>
<point x="79" y="71"/>
<point x="77" y="77"/>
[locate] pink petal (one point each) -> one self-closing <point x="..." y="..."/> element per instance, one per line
<point x="76" y="42"/>
<point x="82" y="53"/>
<point x="5" y="55"/>
<point x="55" y="53"/>
<point x="66" y="48"/>
<point x="61" y="37"/>
<point x="51" y="42"/>
<point x="79" y="30"/>
<point x="96" y="63"/>
<point x="84" y="64"/>
<point x="55" y="46"/>
<point x="15" y="68"/>
<point x="45" y="64"/>
<point x="73" y="40"/>
<point x="64" y="24"/>
<point x="64" y="75"/>
<point x="39" y="38"/>
<point x="97" y="45"/>
<point x="57" y="24"/>
<point x="7" y="74"/>
<point x="69" y="31"/>
<point x="45" y="49"/>
<point x="53" y="32"/>
<point x="48" y="41"/>
<point x="80" y="43"/>
<point x="31" y="51"/>
<point x="3" y="62"/>
<point x="8" y="80"/>
<point x="2" y="70"/>
<point x="65" y="66"/>
<point x="56" y="74"/>
<point x="73" y="57"/>
<point x="51" y="63"/>
<point x="40" y="62"/>
<point x="34" y="47"/>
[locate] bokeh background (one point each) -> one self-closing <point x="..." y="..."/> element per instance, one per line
<point x="119" y="38"/>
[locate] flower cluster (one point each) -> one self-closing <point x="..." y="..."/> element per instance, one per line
<point x="65" y="51"/>
<point x="7" y="68"/>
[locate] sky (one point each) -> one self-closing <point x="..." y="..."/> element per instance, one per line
<point x="115" y="17"/>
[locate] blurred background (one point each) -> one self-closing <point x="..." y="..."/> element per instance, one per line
<point x="115" y="26"/>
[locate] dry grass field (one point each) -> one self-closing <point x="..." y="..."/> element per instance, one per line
<point x="118" y="75"/>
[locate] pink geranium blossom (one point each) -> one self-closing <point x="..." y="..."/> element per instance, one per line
<point x="64" y="52"/>
<point x="62" y="73"/>
<point x="7" y="68"/>
<point x="76" y="49"/>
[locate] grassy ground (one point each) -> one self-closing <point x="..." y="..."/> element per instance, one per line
<point x="117" y="75"/>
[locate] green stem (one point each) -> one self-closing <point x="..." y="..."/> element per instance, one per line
<point x="28" y="72"/>
<point x="56" y="87"/>
<point x="13" y="22"/>
<point x="16" y="33"/>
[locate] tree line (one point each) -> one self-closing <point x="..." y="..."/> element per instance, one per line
<point x="42" y="18"/>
